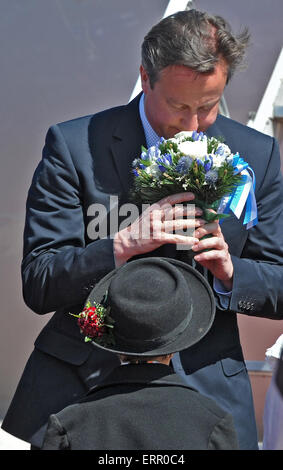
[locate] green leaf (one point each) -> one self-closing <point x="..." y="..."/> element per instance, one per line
<point x="223" y="216"/>
<point x="73" y="315"/>
<point x="209" y="216"/>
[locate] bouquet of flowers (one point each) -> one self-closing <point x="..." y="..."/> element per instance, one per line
<point x="96" y="324"/>
<point x="193" y="162"/>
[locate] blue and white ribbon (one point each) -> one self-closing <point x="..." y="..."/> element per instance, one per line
<point x="243" y="195"/>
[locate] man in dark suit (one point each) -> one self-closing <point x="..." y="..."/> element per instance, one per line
<point x="142" y="404"/>
<point x="187" y="60"/>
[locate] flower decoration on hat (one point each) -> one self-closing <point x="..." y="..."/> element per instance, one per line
<point x="96" y="324"/>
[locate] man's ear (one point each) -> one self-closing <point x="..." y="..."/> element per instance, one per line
<point x="144" y="79"/>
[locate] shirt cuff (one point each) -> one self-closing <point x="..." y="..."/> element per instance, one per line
<point x="223" y="294"/>
<point x="219" y="287"/>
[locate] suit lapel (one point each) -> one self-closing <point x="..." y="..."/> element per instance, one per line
<point x="128" y="137"/>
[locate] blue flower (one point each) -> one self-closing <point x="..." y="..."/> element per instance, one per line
<point x="168" y="157"/>
<point x="135" y="172"/>
<point x="144" y="156"/>
<point x="220" y="150"/>
<point x="184" y="164"/>
<point x="223" y="150"/>
<point x="211" y="176"/>
<point x="197" y="136"/>
<point x="153" y="153"/>
<point x="208" y="163"/>
<point x="164" y="160"/>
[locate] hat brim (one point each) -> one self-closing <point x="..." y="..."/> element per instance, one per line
<point x="203" y="311"/>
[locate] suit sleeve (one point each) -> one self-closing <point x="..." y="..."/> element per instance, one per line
<point x="258" y="274"/>
<point x="58" y="266"/>
<point x="223" y="436"/>
<point x="56" y="437"/>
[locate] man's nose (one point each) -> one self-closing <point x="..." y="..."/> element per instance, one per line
<point x="189" y="122"/>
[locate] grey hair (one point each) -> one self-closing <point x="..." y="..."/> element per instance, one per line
<point x="194" y="39"/>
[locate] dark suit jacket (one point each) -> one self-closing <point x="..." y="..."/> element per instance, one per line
<point x="139" y="407"/>
<point x="85" y="161"/>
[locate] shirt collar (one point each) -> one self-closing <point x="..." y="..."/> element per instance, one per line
<point x="150" y="135"/>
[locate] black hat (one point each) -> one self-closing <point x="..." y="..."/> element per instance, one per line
<point x="158" y="305"/>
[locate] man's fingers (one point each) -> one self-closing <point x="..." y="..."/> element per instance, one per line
<point x="210" y="228"/>
<point x="181" y="224"/>
<point x="180" y="211"/>
<point x="214" y="243"/>
<point x="211" y="255"/>
<point x="175" y="238"/>
<point x="176" y="198"/>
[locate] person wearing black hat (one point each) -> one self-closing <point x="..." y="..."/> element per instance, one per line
<point x="145" y="311"/>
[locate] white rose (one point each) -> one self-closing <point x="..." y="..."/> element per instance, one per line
<point x="197" y="149"/>
<point x="183" y="135"/>
<point x="175" y="141"/>
<point x="218" y="160"/>
<point x="153" y="170"/>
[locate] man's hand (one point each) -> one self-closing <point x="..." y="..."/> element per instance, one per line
<point x="217" y="260"/>
<point x="155" y="227"/>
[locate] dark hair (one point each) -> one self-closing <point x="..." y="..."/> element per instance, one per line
<point x="194" y="39"/>
<point x="139" y="359"/>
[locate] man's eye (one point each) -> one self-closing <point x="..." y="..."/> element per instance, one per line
<point x="205" y="109"/>
<point x="208" y="107"/>
<point x="178" y="107"/>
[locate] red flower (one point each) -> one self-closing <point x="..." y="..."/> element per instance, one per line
<point x="91" y="322"/>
